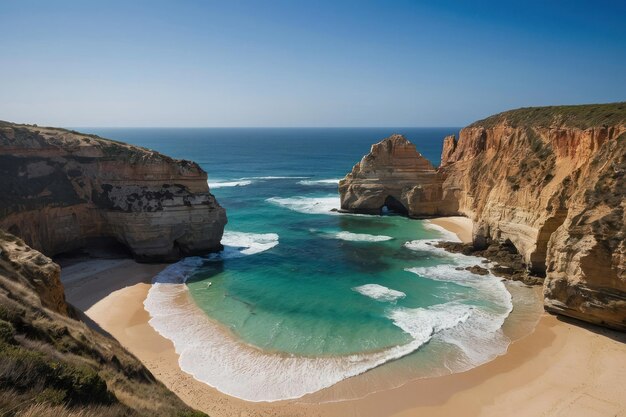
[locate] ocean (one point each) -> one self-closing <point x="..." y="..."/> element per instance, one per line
<point x="302" y="297"/>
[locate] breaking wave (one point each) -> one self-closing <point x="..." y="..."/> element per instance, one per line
<point x="216" y="357"/>
<point x="272" y="177"/>
<point x="238" y="244"/>
<point x="308" y="205"/>
<point x="361" y="237"/>
<point x="379" y="292"/>
<point x="328" y="182"/>
<point x="222" y="184"/>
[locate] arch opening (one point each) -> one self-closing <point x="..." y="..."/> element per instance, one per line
<point x="538" y="259"/>
<point x="393" y="206"/>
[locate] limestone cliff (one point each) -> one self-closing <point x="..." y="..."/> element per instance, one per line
<point x="393" y="175"/>
<point x="550" y="180"/>
<point x="63" y="190"/>
<point x="51" y="364"/>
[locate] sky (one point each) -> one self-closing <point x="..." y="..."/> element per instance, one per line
<point x="303" y="63"/>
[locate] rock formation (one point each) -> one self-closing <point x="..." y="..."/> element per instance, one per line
<point x="550" y="180"/>
<point x="63" y="190"/>
<point x="394" y="175"/>
<point x="50" y="362"/>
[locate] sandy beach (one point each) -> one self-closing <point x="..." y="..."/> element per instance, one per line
<point x="461" y="226"/>
<point x="560" y="369"/>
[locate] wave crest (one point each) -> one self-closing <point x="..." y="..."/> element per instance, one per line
<point x="361" y="237"/>
<point x="222" y="184"/>
<point x="327" y="182"/>
<point x="379" y="292"/>
<point x="308" y="205"/>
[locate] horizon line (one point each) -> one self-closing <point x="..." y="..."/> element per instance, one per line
<point x="252" y="127"/>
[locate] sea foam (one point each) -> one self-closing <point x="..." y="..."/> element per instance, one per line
<point x="429" y="245"/>
<point x="308" y="205"/>
<point x="327" y="182"/>
<point x="379" y="292"/>
<point x="222" y="184"/>
<point x="273" y="177"/>
<point x="215" y="356"/>
<point x="238" y="244"/>
<point x="480" y="337"/>
<point x="361" y="237"/>
<point x="242" y="182"/>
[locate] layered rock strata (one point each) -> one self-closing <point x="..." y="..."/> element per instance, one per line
<point x="63" y="190"/>
<point x="551" y="181"/>
<point x="394" y="176"/>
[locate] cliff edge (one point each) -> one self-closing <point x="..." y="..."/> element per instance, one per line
<point x="551" y="182"/>
<point x="63" y="190"/>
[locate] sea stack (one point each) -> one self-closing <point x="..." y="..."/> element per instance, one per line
<point x="548" y="180"/>
<point x="394" y="176"/>
<point x="63" y="190"/>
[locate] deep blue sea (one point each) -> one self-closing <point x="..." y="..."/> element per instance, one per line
<point x="303" y="297"/>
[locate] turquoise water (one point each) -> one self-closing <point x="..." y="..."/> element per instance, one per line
<point x="299" y="297"/>
<point x="308" y="297"/>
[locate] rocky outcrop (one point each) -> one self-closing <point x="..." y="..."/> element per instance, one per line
<point x="51" y="364"/>
<point x="64" y="190"/>
<point x="551" y="181"/>
<point x="397" y="177"/>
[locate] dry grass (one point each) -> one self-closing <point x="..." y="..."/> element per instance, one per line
<point x="53" y="365"/>
<point x="45" y="410"/>
<point x="582" y="116"/>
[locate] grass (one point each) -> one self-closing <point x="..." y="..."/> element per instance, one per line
<point x="580" y="116"/>
<point x="53" y="365"/>
<point x="27" y="370"/>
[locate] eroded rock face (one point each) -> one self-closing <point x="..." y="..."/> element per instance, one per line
<point x="34" y="271"/>
<point x="551" y="181"/>
<point x="62" y="353"/>
<point x="396" y="176"/>
<point x="63" y="190"/>
<point x="557" y="192"/>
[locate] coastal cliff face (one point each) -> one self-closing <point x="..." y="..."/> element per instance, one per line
<point x="394" y="175"/>
<point x="551" y="181"/>
<point x="51" y="364"/>
<point x="64" y="190"/>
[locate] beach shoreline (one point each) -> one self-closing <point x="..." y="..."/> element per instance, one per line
<point x="461" y="226"/>
<point x="527" y="380"/>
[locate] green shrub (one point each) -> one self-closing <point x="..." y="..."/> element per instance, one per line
<point x="6" y="332"/>
<point x="22" y="369"/>
<point x="577" y="116"/>
<point x="51" y="396"/>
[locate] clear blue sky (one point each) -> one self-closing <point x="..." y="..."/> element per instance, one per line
<point x="303" y="63"/>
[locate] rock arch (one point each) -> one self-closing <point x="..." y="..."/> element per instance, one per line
<point x="537" y="263"/>
<point x="394" y="205"/>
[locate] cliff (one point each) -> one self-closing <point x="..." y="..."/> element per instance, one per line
<point x="53" y="365"/>
<point x="396" y="176"/>
<point x="549" y="180"/>
<point x="64" y="190"/>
